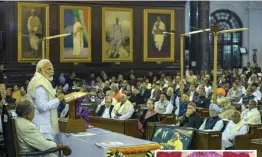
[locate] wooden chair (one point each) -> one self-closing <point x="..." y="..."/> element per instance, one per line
<point x="255" y="132"/>
<point x="10" y="137"/>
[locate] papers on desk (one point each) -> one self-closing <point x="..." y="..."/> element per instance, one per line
<point x="112" y="143"/>
<point x="82" y="134"/>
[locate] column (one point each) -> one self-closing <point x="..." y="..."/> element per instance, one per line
<point x="199" y="43"/>
<point x="203" y="15"/>
<point x="193" y="42"/>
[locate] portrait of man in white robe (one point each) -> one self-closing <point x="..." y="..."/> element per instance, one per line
<point x="157" y="31"/>
<point x="117" y="37"/>
<point x="34" y="26"/>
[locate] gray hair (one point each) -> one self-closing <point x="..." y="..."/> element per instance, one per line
<point x="24" y="107"/>
<point x="114" y="87"/>
<point x="40" y="65"/>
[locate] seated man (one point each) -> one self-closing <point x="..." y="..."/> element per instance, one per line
<point x="235" y="127"/>
<point x="213" y="122"/>
<point x="200" y="99"/>
<point x="123" y="110"/>
<point x="235" y="92"/>
<point x="251" y="115"/>
<point x="163" y="106"/>
<point x="28" y="136"/>
<point x="110" y="94"/>
<point x="106" y="109"/>
<point x="246" y="98"/>
<point x="175" y="143"/>
<point x="191" y="118"/>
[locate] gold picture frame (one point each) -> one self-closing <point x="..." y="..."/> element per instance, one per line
<point x="156" y="47"/>
<point x="30" y="45"/>
<point x="76" y="47"/>
<point x="117" y="39"/>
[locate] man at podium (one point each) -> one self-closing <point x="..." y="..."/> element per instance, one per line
<point x="43" y="95"/>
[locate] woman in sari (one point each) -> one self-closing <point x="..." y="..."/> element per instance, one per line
<point x="149" y="115"/>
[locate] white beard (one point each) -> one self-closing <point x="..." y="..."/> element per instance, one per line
<point x="50" y="78"/>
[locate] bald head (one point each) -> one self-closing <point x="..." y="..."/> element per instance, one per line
<point x="123" y="98"/>
<point x="45" y="68"/>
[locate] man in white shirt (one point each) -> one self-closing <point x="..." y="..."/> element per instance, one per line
<point x="123" y="110"/>
<point x="110" y="94"/>
<point x="251" y="115"/>
<point x="192" y="92"/>
<point x="106" y="109"/>
<point x="43" y="95"/>
<point x="235" y="127"/>
<point x="256" y="92"/>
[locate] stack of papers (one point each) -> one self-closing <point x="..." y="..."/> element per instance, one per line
<point x="82" y="134"/>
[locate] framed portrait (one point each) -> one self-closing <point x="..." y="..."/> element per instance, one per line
<point x="117" y="35"/>
<point x="33" y="24"/>
<point x="75" y="20"/>
<point x="172" y="137"/>
<point x="159" y="47"/>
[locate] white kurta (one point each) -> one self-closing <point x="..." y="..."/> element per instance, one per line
<point x="251" y="116"/>
<point x="77" y="38"/>
<point x="228" y="135"/>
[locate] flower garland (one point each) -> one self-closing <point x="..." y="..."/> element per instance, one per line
<point x="137" y="149"/>
<point x="119" y="154"/>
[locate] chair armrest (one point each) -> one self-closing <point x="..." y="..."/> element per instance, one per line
<point x="38" y="153"/>
<point x="66" y="151"/>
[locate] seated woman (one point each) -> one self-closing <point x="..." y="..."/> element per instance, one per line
<point x="28" y="136"/>
<point x="163" y="106"/>
<point x="149" y="115"/>
<point x="213" y="122"/>
<point x="235" y="127"/>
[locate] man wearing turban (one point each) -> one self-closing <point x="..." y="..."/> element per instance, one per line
<point x="213" y="122"/>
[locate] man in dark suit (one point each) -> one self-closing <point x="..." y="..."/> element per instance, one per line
<point x="257" y="68"/>
<point x="247" y="68"/>
<point x="146" y="93"/>
<point x="106" y="109"/>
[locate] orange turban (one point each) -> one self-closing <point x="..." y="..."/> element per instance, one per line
<point x="221" y="91"/>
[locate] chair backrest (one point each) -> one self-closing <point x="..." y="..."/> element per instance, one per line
<point x="9" y="132"/>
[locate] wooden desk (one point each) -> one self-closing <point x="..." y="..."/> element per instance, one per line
<point x="255" y="132"/>
<point x="108" y="124"/>
<point x="203" y="140"/>
<point x="256" y="144"/>
<point x="127" y="127"/>
<point x="204" y="112"/>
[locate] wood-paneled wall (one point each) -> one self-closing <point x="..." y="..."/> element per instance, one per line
<point x="8" y="22"/>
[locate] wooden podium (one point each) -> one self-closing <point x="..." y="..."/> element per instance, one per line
<point x="71" y="124"/>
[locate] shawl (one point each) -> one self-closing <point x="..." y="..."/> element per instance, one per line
<point x="205" y="154"/>
<point x="236" y="127"/>
<point x="40" y="80"/>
